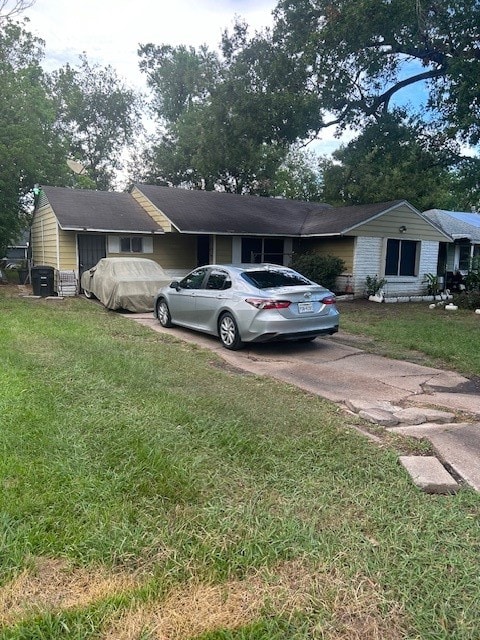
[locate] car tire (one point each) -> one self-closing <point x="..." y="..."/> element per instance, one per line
<point x="228" y="332"/>
<point x="88" y="294"/>
<point x="163" y="314"/>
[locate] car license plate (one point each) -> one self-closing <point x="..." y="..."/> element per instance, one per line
<point x="305" y="307"/>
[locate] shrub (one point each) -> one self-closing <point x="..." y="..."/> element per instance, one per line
<point x="467" y="299"/>
<point x="373" y="284"/>
<point x="322" y="269"/>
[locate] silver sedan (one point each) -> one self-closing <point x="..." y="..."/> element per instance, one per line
<point x="248" y="303"/>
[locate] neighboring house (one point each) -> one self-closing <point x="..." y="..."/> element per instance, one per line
<point x="181" y="229"/>
<point x="464" y="230"/>
<point x="18" y="253"/>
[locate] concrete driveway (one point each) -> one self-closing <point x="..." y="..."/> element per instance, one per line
<point x="409" y="398"/>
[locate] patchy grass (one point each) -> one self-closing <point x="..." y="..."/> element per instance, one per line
<point x="147" y="493"/>
<point x="413" y="332"/>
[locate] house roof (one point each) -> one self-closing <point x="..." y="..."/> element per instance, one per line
<point x="82" y="209"/>
<point x="207" y="212"/>
<point x="226" y="213"/>
<point x="457" y="224"/>
<point x="193" y="211"/>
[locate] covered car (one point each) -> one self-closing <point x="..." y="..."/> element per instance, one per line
<point x="124" y="283"/>
<point x="249" y="303"/>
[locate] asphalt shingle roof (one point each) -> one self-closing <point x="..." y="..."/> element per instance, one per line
<point x="98" y="210"/>
<point x="456" y="223"/>
<point x="217" y="212"/>
<point x="205" y="212"/>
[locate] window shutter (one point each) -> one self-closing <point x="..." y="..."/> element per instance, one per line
<point x="113" y="244"/>
<point x="148" y="244"/>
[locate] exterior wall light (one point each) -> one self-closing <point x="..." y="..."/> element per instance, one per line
<point x="402" y="229"/>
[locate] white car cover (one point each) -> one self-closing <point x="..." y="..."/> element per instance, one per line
<point x="125" y="283"/>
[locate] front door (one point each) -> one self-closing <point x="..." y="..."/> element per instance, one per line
<point x="91" y="248"/>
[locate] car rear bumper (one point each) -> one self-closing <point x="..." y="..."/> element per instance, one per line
<point x="298" y="335"/>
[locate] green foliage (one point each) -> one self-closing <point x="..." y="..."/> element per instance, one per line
<point x="468" y="299"/>
<point x="360" y="55"/>
<point x="224" y="121"/>
<point x="432" y="283"/>
<point x="30" y="149"/>
<point x="472" y="279"/>
<point x="378" y="166"/>
<point x="373" y="284"/>
<point x="298" y="177"/>
<point x="98" y="117"/>
<point x="322" y="269"/>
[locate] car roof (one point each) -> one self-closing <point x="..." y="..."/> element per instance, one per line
<point x="247" y="266"/>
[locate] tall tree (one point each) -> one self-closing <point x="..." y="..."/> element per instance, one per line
<point x="391" y="160"/>
<point x="30" y="148"/>
<point x="220" y="126"/>
<point x="299" y="177"/>
<point x="98" y="115"/>
<point x="360" y="54"/>
<point x="10" y="9"/>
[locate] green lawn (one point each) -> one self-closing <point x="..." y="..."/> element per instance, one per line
<point x="449" y="339"/>
<point x="148" y="493"/>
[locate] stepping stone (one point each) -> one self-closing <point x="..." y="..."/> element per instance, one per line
<point x="379" y="416"/>
<point x="419" y="415"/>
<point x="429" y="475"/>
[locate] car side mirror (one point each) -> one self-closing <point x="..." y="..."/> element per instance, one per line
<point x="175" y="285"/>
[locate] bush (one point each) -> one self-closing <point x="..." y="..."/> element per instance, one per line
<point x="322" y="269"/>
<point x="467" y="300"/>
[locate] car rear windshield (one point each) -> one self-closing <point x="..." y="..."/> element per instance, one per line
<point x="272" y="279"/>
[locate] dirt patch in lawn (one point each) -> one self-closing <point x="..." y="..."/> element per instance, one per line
<point x="52" y="584"/>
<point x="336" y="609"/>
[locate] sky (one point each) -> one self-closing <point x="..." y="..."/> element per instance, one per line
<point x="110" y="32"/>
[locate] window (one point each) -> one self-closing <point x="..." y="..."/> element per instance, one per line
<point x="255" y="250"/>
<point x="401" y="259"/>
<point x="271" y="278"/>
<point x="131" y="245"/>
<point x="194" y="280"/>
<point x="464" y="257"/>
<point x="218" y="280"/>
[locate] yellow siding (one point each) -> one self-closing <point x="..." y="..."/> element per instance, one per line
<point x="223" y="249"/>
<point x="68" y="250"/>
<point x="45" y="238"/>
<point x="343" y="248"/>
<point x="152" y="210"/>
<point x="387" y="226"/>
<point x="175" y="251"/>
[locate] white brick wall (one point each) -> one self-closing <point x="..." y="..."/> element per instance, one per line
<point x="366" y="262"/>
<point x="370" y="261"/>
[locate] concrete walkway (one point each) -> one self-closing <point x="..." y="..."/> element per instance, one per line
<point x="404" y="397"/>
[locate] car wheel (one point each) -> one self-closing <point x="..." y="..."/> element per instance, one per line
<point x="88" y="294"/>
<point x="229" y="334"/>
<point x="163" y="314"/>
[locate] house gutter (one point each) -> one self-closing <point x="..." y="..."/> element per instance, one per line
<point x="129" y="231"/>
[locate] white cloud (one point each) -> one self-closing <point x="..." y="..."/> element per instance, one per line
<point x="109" y="32"/>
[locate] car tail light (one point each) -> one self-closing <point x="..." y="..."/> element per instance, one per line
<point x="262" y="303"/>
<point x="329" y="300"/>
